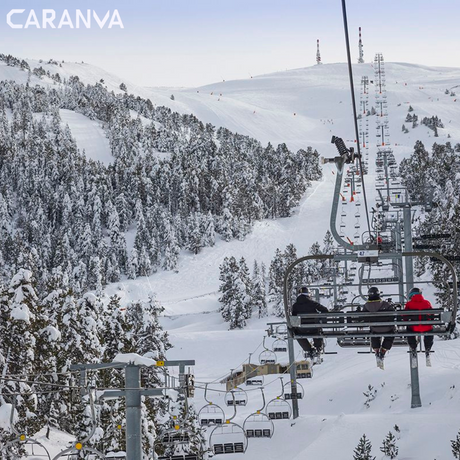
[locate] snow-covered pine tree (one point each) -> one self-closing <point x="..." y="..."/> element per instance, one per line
<point x="245" y="277"/>
<point x="456" y="446"/>
<point x="195" y="240"/>
<point x="19" y="340"/>
<point x="171" y="248"/>
<point x="363" y="450"/>
<point x="234" y="298"/>
<point x="389" y="447"/>
<point x="259" y="293"/>
<point x="116" y="338"/>
<point x="208" y="230"/>
<point x="79" y="326"/>
<point x="275" y="283"/>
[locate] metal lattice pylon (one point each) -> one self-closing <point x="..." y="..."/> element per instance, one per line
<point x="364" y="120"/>
<point x="383" y="131"/>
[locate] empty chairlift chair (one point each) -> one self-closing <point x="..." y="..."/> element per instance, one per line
<point x="258" y="424"/>
<point x="267" y="356"/>
<point x="236" y="397"/>
<point x="289" y="395"/>
<point x="211" y="414"/>
<point x="228" y="438"/>
<point x="278" y="408"/>
<point x="280" y="346"/>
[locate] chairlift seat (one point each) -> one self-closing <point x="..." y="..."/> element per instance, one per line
<point x="358" y="324"/>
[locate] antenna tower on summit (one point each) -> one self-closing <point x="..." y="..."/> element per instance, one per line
<point x="361" y="52"/>
<point x="318" y="55"/>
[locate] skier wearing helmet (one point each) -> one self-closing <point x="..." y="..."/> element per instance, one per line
<point x="374" y="304"/>
<point x="304" y="304"/>
<point x="418" y="302"/>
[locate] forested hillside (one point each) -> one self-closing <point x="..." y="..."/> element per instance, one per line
<point x="174" y="184"/>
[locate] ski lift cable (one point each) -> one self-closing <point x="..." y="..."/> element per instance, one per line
<point x="355" y="116"/>
<point x="216" y="380"/>
<point x="198" y="384"/>
<point x="33" y="382"/>
<point x="249" y="390"/>
<point x="51" y="374"/>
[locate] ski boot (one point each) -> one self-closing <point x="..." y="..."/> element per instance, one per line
<point x="428" y="358"/>
<point x="413" y="358"/>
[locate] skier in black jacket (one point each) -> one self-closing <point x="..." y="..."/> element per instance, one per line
<point x="305" y="305"/>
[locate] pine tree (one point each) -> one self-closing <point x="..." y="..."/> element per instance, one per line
<point x="456" y="446"/>
<point x="244" y="276"/>
<point x="389" y="447"/>
<point x="259" y="294"/>
<point x="146" y="334"/>
<point x="275" y="284"/>
<point x="234" y="299"/>
<point x="363" y="450"/>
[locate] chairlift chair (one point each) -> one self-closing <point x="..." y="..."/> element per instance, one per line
<point x="278" y="408"/>
<point x="236" y="397"/>
<point x="255" y="381"/>
<point x="289" y="395"/>
<point x="210" y="414"/>
<point x="280" y="346"/>
<point x="267" y="356"/>
<point x="340" y="324"/>
<point x="258" y="424"/>
<point x="31" y="447"/>
<point x="228" y="438"/>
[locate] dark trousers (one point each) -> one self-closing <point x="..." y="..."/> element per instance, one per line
<point x="306" y="345"/>
<point x="427" y="341"/>
<point x="382" y="342"/>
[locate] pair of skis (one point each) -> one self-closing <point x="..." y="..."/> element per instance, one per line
<point x="413" y="358"/>
<point x="380" y="359"/>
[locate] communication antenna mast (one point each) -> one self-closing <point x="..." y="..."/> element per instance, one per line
<point x="360" y="45"/>
<point x="318" y="54"/>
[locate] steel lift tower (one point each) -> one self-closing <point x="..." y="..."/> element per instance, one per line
<point x="363" y="120"/>
<point x="361" y="52"/>
<point x="318" y="55"/>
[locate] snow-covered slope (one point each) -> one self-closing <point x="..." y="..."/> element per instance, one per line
<point x="293" y="106"/>
<point x="303" y="107"/>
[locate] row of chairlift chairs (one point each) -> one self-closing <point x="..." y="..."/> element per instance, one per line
<point x="228" y="437"/>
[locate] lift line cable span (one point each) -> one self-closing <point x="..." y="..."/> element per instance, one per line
<point x="355" y="116"/>
<point x="288" y="368"/>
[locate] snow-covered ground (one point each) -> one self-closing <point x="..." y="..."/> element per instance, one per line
<point x="89" y="135"/>
<point x="302" y="107"/>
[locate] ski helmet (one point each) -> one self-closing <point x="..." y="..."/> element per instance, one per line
<point x="414" y="291"/>
<point x="373" y="293"/>
<point x="304" y="290"/>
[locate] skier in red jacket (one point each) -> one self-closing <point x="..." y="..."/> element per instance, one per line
<point x="418" y="302"/>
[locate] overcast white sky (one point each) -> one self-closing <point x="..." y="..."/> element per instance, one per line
<point x="195" y="42"/>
